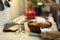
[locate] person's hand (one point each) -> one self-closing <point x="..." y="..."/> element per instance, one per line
<point x="54" y="33"/>
<point x="49" y="35"/>
<point x="47" y="3"/>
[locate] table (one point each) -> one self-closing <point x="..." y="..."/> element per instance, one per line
<point x="54" y="33"/>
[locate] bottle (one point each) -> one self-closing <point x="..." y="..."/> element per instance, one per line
<point x="39" y="6"/>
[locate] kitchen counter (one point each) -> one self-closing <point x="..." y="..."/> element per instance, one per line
<point x="54" y="33"/>
<point x="25" y="35"/>
<point x="16" y="35"/>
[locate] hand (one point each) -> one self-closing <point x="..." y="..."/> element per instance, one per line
<point x="51" y="34"/>
<point x="47" y="3"/>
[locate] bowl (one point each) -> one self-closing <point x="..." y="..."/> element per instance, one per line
<point x="35" y="28"/>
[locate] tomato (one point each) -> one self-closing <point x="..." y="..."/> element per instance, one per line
<point x="30" y="14"/>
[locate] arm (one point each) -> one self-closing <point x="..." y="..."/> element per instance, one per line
<point x="51" y="3"/>
<point x="57" y="34"/>
<point x="55" y="5"/>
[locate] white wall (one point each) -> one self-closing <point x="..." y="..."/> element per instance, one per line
<point x="16" y="8"/>
<point x="5" y="16"/>
<point x="13" y="12"/>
